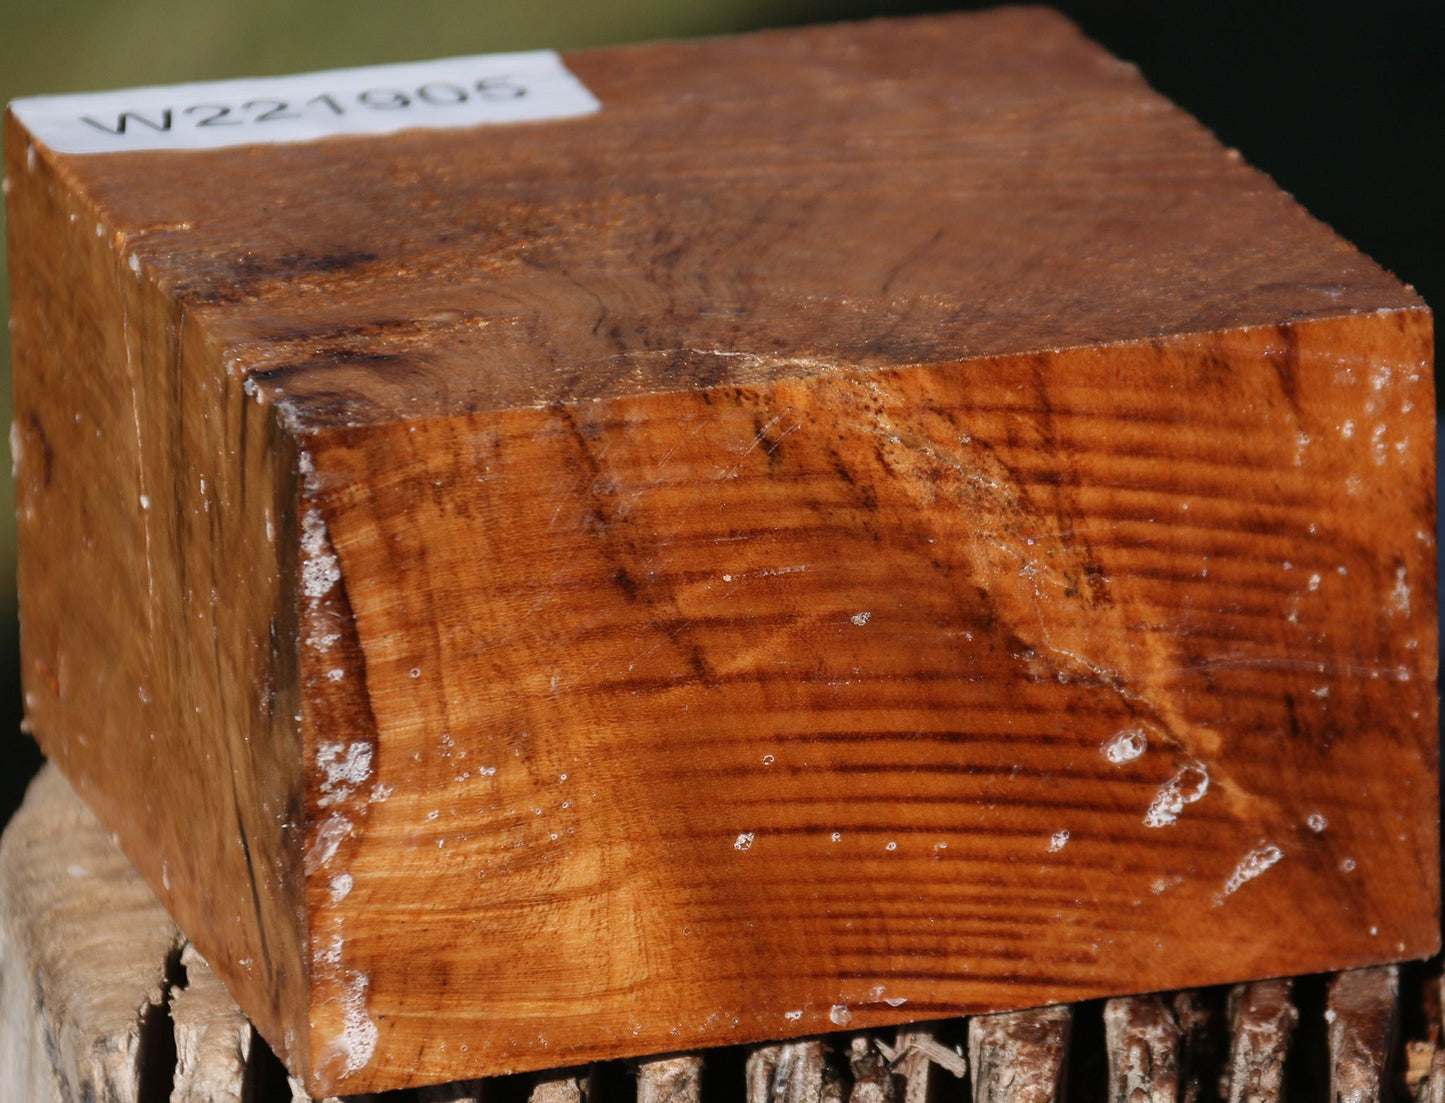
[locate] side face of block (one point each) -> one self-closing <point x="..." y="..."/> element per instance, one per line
<point x="878" y="523"/>
<point x="159" y="648"/>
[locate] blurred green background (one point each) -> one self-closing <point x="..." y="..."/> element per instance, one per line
<point x="1340" y="102"/>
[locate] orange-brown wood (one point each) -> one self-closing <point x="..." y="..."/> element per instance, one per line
<point x="879" y="522"/>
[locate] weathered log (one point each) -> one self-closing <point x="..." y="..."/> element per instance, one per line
<point x="1262" y="1019"/>
<point x="872" y="1077"/>
<point x="1431" y="1087"/>
<point x="213" y="1038"/>
<point x="1363" y="1015"/>
<point x="676" y="1079"/>
<point x="1142" y="1036"/>
<point x="565" y="1087"/>
<point x="100" y="997"/>
<point x="85" y="958"/>
<point x="792" y="1072"/>
<point x="877" y="522"/>
<point x="916" y="1056"/>
<point x="1020" y="1056"/>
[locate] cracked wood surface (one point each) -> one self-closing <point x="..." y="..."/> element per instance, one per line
<point x="213" y="1037"/>
<point x="880" y="522"/>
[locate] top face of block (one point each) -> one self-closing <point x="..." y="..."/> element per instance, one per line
<point x="739" y="210"/>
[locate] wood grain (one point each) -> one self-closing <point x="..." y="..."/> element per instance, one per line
<point x="151" y="1016"/>
<point x="881" y="522"/>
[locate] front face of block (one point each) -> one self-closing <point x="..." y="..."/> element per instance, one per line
<point x="851" y="532"/>
<point x="856" y="700"/>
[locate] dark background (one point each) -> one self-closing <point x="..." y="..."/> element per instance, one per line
<point x="1340" y="103"/>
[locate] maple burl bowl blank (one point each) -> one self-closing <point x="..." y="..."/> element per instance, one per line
<point x="878" y="522"/>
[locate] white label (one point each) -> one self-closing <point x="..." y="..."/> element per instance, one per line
<point x="380" y="99"/>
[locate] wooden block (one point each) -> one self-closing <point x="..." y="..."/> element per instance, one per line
<point x="875" y="523"/>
